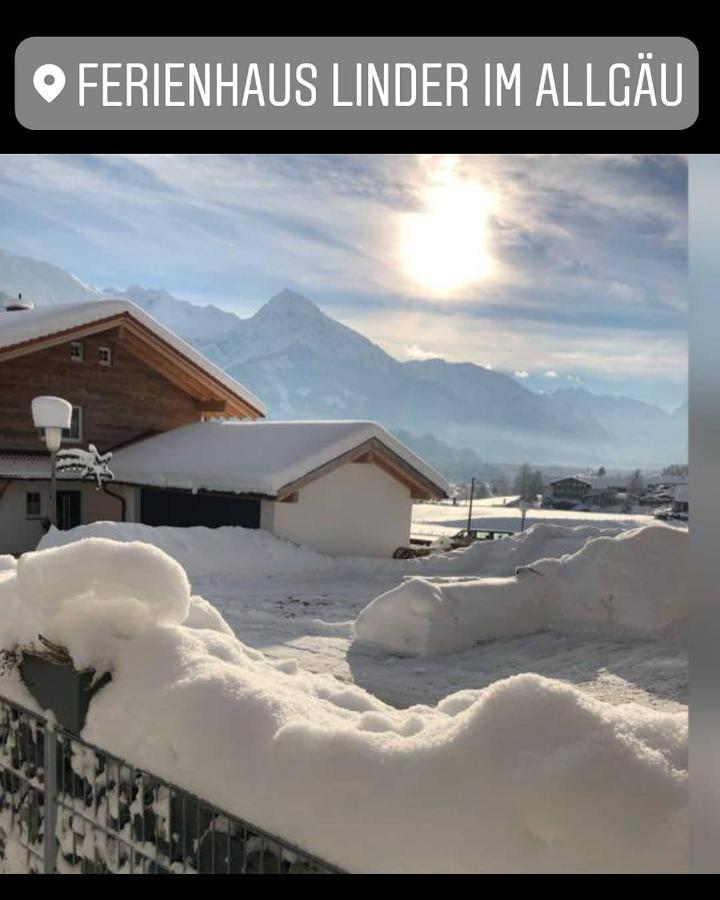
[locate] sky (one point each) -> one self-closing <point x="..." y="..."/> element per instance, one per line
<point x="565" y="271"/>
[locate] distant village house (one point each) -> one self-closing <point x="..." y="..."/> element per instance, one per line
<point x="592" y="490"/>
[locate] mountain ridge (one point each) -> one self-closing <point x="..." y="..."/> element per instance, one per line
<point x="305" y="364"/>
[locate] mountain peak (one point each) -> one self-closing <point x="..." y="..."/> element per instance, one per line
<point x="290" y="304"/>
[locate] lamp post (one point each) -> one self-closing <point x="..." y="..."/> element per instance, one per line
<point x="472" y="494"/>
<point x="524" y="507"/>
<point x="52" y="414"/>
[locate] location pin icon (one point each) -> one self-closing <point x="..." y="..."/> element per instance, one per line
<point x="49" y="80"/>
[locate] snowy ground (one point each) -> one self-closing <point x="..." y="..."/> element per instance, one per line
<point x="306" y="613"/>
<point x="311" y="620"/>
<point x="444" y="518"/>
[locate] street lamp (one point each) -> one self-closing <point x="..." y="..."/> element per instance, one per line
<point x="52" y="414"/>
<point x="524" y="507"/>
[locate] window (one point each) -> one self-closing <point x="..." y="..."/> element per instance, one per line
<point x="105" y="356"/>
<point x="32" y="505"/>
<point x="77" y="351"/>
<point x="74" y="432"/>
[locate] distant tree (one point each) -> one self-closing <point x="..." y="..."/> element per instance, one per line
<point x="636" y="484"/>
<point x="602" y="471"/>
<point x="677" y="469"/>
<point x="481" y="490"/>
<point x="538" y="483"/>
<point x="528" y="483"/>
<point x="500" y="486"/>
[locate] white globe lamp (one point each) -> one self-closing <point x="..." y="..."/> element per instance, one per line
<point x="51" y="415"/>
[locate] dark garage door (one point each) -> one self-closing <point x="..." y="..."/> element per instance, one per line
<point x="184" y="509"/>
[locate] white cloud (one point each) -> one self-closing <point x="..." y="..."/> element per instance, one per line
<point x="415" y="352"/>
<point x="581" y="245"/>
<point x="604" y="352"/>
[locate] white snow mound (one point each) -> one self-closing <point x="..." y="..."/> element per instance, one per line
<point x="528" y="775"/>
<point x="89" y="593"/>
<point x="234" y="553"/>
<point x="228" y="551"/>
<point x="633" y="583"/>
<point x="502" y="556"/>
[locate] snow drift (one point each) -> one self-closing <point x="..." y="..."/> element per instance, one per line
<point x="226" y="552"/>
<point x="501" y="557"/>
<point x="233" y="553"/>
<point x="633" y="583"/>
<point x="528" y="775"/>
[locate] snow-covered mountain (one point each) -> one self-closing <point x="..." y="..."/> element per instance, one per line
<point x="189" y="320"/>
<point x="637" y="426"/>
<point x="47" y="284"/>
<point x="303" y="363"/>
<point x="42" y="281"/>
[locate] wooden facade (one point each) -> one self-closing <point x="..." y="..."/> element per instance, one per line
<point x="120" y="402"/>
<point x="570" y="489"/>
<point x="126" y="380"/>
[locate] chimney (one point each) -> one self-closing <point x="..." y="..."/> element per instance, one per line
<point x="19" y="304"/>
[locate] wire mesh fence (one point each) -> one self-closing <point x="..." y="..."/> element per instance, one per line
<point x="69" y="807"/>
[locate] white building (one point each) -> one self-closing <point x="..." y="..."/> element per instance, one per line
<point x="338" y="487"/>
<point x="140" y="392"/>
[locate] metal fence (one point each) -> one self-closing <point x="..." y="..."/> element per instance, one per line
<point x="67" y="806"/>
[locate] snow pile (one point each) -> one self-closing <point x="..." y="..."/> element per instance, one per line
<point x="528" y="775"/>
<point x="87" y="595"/>
<point x="633" y="583"/>
<point x="234" y="553"/>
<point x="503" y="556"/>
<point x="229" y="551"/>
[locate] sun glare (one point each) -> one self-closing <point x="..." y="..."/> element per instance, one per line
<point x="444" y="248"/>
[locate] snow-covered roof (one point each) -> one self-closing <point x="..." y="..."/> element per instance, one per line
<point x="681" y="494"/>
<point x="595" y="482"/>
<point x="259" y="457"/>
<point x="27" y="466"/>
<point x="668" y="480"/>
<point x="24" y="326"/>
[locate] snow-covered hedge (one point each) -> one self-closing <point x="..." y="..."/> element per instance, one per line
<point x="528" y="775"/>
<point x="229" y="551"/>
<point x="233" y="553"/>
<point x="635" y="582"/>
<point x="502" y="556"/>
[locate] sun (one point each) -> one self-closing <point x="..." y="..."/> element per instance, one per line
<point x="444" y="248"/>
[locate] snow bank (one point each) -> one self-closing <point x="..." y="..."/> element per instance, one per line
<point x="236" y="553"/>
<point x="7" y="563"/>
<point x="503" y="556"/>
<point x="227" y="552"/>
<point x="635" y="583"/>
<point x="528" y="775"/>
<point x="87" y="595"/>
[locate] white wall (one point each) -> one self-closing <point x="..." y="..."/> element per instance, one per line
<point x="19" y="534"/>
<point x="356" y="510"/>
